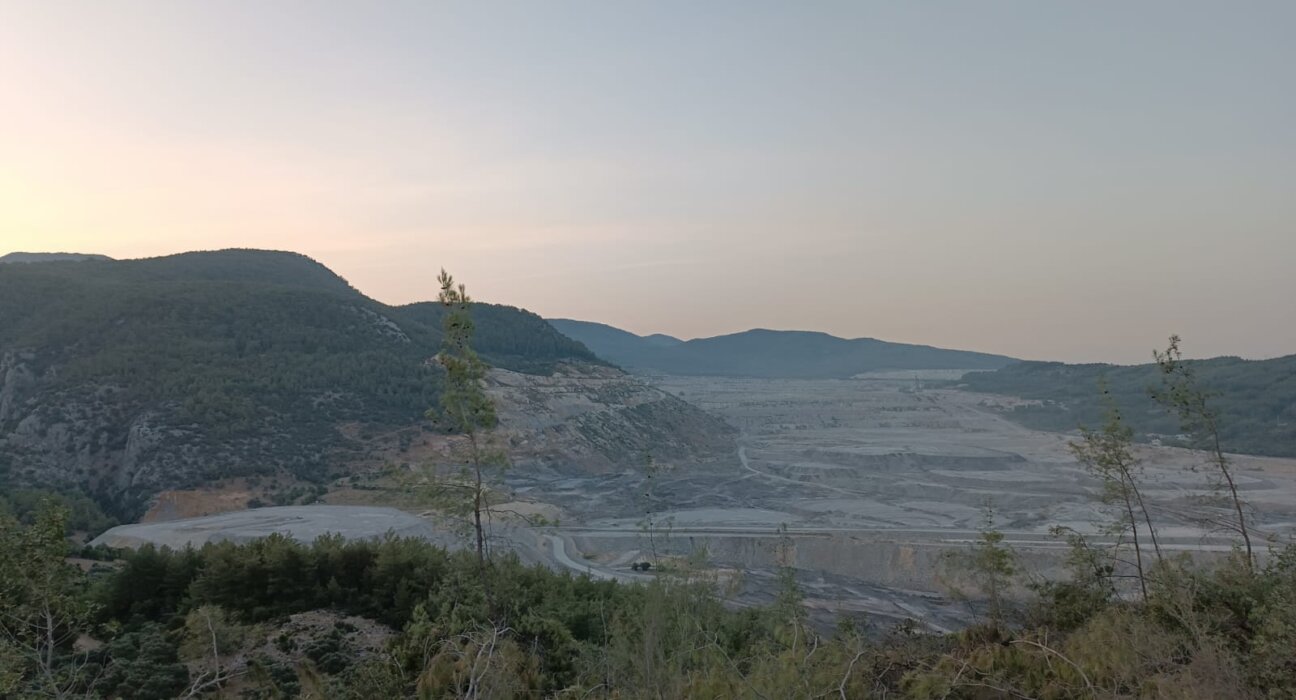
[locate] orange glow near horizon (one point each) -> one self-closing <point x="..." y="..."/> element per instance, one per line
<point x="871" y="172"/>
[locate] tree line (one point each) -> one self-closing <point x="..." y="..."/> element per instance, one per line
<point x="1257" y="396"/>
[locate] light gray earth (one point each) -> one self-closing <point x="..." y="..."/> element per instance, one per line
<point x="303" y="523"/>
<point x="865" y="487"/>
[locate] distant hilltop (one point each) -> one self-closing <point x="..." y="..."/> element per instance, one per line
<point x="768" y="353"/>
<point x="50" y="257"/>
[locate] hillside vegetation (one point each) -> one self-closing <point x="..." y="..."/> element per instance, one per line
<point x="767" y="353"/>
<point x="1258" y="397"/>
<point x="123" y="377"/>
<point x="402" y="618"/>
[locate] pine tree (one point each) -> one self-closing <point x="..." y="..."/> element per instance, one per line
<point x="465" y="409"/>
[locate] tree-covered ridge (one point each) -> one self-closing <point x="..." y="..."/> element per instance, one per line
<point x="508" y="337"/>
<point x="768" y="353"/>
<point x="120" y="376"/>
<point x="239" y="301"/>
<point x="23" y="257"/>
<point x="1257" y="396"/>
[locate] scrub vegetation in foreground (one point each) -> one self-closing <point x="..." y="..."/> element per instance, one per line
<point x="218" y="622"/>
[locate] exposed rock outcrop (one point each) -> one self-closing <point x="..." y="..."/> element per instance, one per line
<point x="594" y="419"/>
<point x="15" y="378"/>
<point x="582" y="419"/>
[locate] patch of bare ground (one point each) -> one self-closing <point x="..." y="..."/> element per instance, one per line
<point x="218" y="498"/>
<point x="350" y="495"/>
<point x="529" y="513"/>
<point x="232" y="495"/>
<point x="866" y="484"/>
<point x="877" y="480"/>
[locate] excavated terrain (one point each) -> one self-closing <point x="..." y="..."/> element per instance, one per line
<point x="867" y="487"/>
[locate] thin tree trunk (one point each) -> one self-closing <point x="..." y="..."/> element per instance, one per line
<point x="652" y="542"/>
<point x="1138" y="551"/>
<point x="477" y="502"/>
<point x="49" y="652"/>
<point x="1222" y="462"/>
<point x="1147" y="518"/>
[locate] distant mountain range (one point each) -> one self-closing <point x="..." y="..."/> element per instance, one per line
<point x="1256" y="399"/>
<point x="767" y="353"/>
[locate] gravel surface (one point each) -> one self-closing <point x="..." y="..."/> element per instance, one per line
<point x="304" y="523"/>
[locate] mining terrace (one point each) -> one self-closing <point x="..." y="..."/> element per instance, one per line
<point x="864" y="486"/>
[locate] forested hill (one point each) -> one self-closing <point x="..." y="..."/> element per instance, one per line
<point x="48" y="257"/>
<point x="768" y="353"/>
<point x="613" y="344"/>
<point x="122" y="377"/>
<point x="1256" y="399"/>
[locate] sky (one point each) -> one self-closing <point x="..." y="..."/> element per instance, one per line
<point x="1048" y="180"/>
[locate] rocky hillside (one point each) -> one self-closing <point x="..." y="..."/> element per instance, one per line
<point x="598" y="419"/>
<point x="121" y="379"/>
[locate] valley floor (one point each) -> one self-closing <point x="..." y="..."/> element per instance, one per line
<point x="864" y="486"/>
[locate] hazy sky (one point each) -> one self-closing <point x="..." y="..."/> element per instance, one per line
<point x="1043" y="179"/>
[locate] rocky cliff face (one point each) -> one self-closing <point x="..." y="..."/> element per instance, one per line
<point x="96" y="439"/>
<point x="103" y="440"/>
<point x="582" y="419"/>
<point x="16" y="377"/>
<point x="49" y="439"/>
